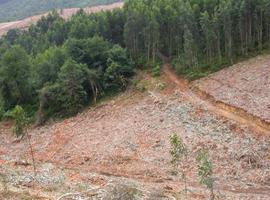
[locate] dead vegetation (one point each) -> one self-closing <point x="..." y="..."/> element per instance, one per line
<point x="243" y="88"/>
<point x="121" y="148"/>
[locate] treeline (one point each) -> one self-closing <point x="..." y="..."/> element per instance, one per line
<point x="197" y="34"/>
<point x="57" y="66"/>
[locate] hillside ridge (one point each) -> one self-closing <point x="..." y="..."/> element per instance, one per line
<point x="65" y="13"/>
<point x="136" y="128"/>
<point x="12" y="10"/>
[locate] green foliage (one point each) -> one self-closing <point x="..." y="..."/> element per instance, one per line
<point x="15" y="87"/>
<point x="12" y="35"/>
<point x="190" y="50"/>
<point x="46" y="66"/>
<point x="156" y="71"/>
<point x="61" y="66"/>
<point x="198" y="72"/>
<point x="141" y="86"/>
<point x="92" y="51"/>
<point x="178" y="151"/>
<point x="196" y="34"/>
<point x="72" y="77"/>
<point x="205" y="171"/>
<point x="119" y="68"/>
<point x="2" y="109"/>
<point x="20" y="120"/>
<point x="68" y="95"/>
<point x="2" y="112"/>
<point x="161" y="85"/>
<point x="50" y="102"/>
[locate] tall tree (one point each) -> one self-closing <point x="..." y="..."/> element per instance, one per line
<point x="190" y="50"/>
<point x="14" y="77"/>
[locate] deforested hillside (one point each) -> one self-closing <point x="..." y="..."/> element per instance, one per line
<point x="11" y="10"/>
<point x="121" y="148"/>
<point x="104" y="105"/>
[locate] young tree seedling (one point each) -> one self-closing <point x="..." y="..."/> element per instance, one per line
<point x="205" y="172"/>
<point x="21" y="122"/>
<point x="179" y="153"/>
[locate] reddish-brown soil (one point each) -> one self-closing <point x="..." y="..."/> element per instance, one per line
<point x="242" y="88"/>
<point x="126" y="140"/>
<point x="65" y="13"/>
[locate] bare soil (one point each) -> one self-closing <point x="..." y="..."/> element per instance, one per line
<point x="122" y="145"/>
<point x="244" y="88"/>
<point x="65" y="13"/>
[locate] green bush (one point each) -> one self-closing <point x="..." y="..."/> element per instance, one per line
<point x="2" y="110"/>
<point x="2" y="113"/>
<point x="205" y="172"/>
<point x="140" y="85"/>
<point x="68" y="95"/>
<point x="119" y="69"/>
<point x="161" y="85"/>
<point x="20" y="120"/>
<point x="156" y="71"/>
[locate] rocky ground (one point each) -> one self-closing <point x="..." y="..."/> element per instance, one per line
<point x="120" y="150"/>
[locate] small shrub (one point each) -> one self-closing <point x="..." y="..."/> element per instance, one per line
<point x="193" y="75"/>
<point x="161" y="85"/>
<point x="156" y="71"/>
<point x="140" y="85"/>
<point x="2" y="110"/>
<point x="2" y="113"/>
<point x="20" y="119"/>
<point x="177" y="65"/>
<point x="205" y="172"/>
<point x="179" y="153"/>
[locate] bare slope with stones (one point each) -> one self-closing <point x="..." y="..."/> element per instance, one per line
<point x="243" y="88"/>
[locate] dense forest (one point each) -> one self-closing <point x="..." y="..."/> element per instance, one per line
<point x="11" y="10"/>
<point x="198" y="35"/>
<point x="57" y="67"/>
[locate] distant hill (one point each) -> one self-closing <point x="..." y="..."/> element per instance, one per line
<point x="11" y="10"/>
<point x="65" y="13"/>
